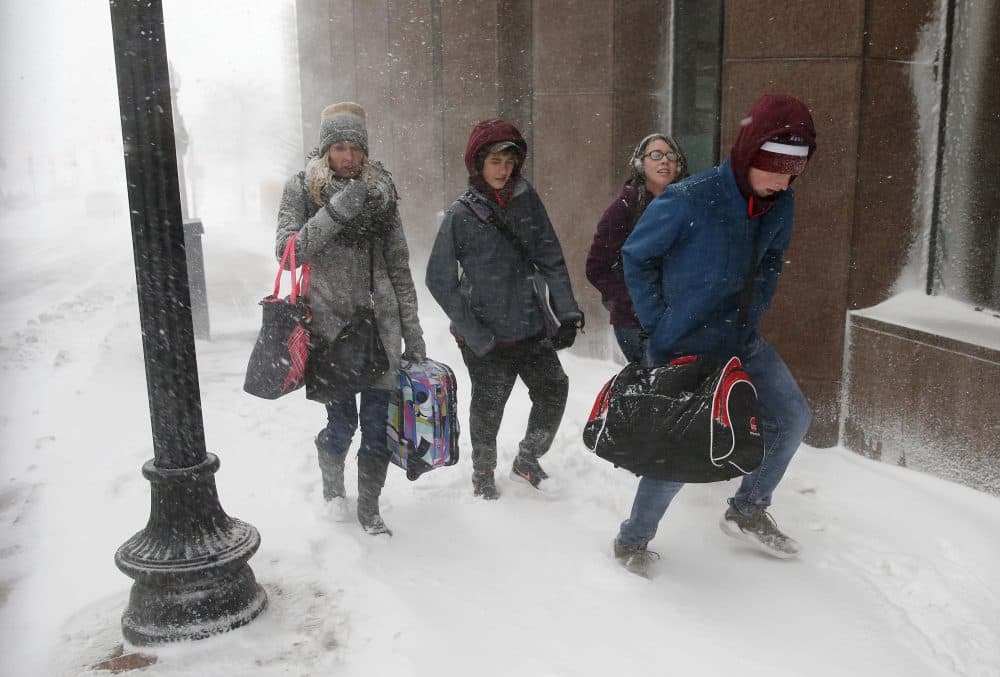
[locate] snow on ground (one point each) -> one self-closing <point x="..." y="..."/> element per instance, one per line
<point x="897" y="578"/>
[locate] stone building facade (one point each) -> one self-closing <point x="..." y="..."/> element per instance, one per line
<point x="903" y="195"/>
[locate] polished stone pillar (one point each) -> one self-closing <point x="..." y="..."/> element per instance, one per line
<point x="806" y="320"/>
<point x="600" y="80"/>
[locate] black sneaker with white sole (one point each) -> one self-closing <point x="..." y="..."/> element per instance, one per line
<point x="760" y="531"/>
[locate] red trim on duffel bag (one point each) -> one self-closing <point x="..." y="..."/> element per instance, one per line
<point x="732" y="374"/>
<point x="600" y="407"/>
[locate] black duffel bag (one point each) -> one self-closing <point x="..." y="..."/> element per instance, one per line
<point x="693" y="420"/>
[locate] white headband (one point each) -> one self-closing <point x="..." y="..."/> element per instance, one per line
<point x="785" y="149"/>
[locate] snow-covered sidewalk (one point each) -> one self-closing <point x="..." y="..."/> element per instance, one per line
<point x="897" y="577"/>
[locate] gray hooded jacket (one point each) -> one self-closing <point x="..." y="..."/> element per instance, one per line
<point x="483" y="284"/>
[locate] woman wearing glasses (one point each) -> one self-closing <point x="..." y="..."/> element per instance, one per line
<point x="655" y="163"/>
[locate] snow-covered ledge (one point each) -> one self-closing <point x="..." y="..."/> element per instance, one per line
<point x="921" y="380"/>
<point x="939" y="316"/>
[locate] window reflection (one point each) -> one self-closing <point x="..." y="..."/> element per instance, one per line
<point x="697" y="74"/>
<point x="965" y="261"/>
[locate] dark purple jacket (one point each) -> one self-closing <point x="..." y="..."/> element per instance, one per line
<point x="604" y="261"/>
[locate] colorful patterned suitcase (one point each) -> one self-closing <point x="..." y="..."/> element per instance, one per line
<point x="423" y="418"/>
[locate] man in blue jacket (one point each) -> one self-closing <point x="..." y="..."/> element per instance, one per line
<point x="685" y="265"/>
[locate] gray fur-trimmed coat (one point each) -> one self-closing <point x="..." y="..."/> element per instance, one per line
<point x="340" y="265"/>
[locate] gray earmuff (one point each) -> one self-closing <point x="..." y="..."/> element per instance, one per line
<point x="637" y="153"/>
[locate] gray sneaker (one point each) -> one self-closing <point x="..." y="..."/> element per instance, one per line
<point x="635" y="558"/>
<point x="760" y="531"/>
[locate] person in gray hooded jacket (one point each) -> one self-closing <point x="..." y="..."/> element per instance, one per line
<point x="490" y="243"/>
<point x="343" y="207"/>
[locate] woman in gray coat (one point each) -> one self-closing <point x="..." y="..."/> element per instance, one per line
<point x="343" y="207"/>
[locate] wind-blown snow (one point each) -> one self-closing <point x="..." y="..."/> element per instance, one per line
<point x="898" y="575"/>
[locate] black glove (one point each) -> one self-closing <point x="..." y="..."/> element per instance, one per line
<point x="565" y="336"/>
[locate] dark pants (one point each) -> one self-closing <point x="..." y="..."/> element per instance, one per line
<point x="342" y="422"/>
<point x="630" y="341"/>
<point x="493" y="377"/>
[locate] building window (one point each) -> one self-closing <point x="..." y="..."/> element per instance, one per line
<point x="696" y="91"/>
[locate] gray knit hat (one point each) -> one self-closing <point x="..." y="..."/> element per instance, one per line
<point x="343" y="121"/>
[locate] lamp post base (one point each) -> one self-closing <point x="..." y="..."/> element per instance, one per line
<point x="189" y="564"/>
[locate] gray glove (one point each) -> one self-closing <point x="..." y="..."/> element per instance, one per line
<point x="347" y="202"/>
<point x="381" y="193"/>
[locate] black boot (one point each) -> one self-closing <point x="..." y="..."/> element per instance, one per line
<point x="371" y="479"/>
<point x="483" y="484"/>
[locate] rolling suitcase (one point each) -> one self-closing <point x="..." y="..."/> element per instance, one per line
<point x="423" y="418"/>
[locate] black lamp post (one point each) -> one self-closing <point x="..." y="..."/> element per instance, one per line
<point x="189" y="564"/>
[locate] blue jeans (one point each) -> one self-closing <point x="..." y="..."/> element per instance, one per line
<point x="784" y="415"/>
<point x="630" y="342"/>
<point x="342" y="422"/>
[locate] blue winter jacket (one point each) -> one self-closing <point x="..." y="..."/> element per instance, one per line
<point x="688" y="256"/>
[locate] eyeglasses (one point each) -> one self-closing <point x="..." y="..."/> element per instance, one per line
<point x="657" y="155"/>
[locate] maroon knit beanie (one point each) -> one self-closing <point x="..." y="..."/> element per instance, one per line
<point x="778" y="119"/>
<point x="787" y="154"/>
